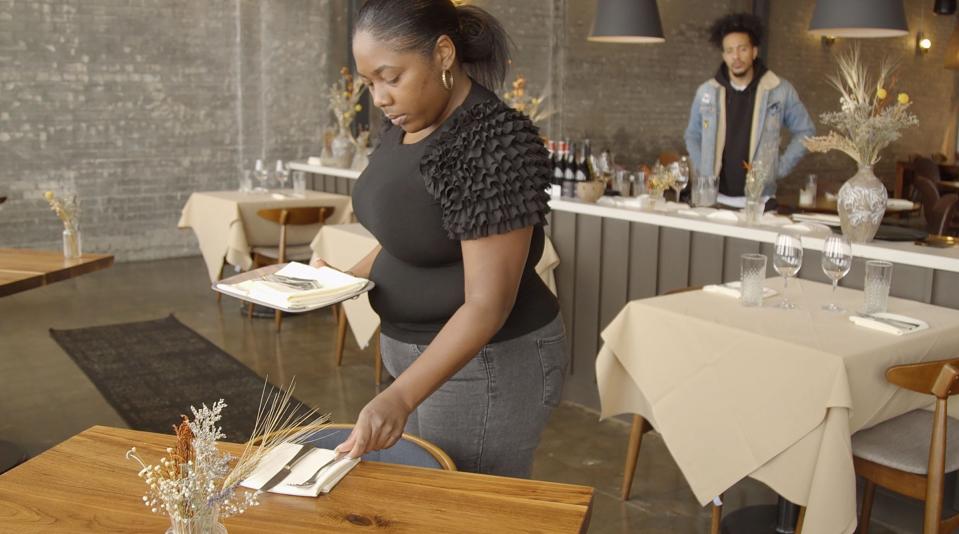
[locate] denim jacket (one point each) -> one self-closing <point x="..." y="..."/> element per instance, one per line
<point x="777" y="103"/>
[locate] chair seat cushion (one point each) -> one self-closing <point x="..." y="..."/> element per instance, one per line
<point x="903" y="443"/>
<point x="299" y="252"/>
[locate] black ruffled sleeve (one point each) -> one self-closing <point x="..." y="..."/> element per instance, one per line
<point x="489" y="171"/>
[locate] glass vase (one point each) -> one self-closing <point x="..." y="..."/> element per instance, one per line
<point x="753" y="212"/>
<point x="72" y="246"/>
<point x="203" y="523"/>
<point x="861" y="204"/>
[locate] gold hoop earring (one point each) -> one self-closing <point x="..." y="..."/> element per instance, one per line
<point x="447" y="78"/>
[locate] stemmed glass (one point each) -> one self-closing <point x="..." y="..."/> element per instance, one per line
<point x="787" y="261"/>
<point x="680" y="172"/>
<point x="261" y="175"/>
<point x="281" y="174"/>
<point x="836" y="262"/>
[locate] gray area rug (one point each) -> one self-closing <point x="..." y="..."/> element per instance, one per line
<point x="151" y="372"/>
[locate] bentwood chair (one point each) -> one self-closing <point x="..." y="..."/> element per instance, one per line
<point x="409" y="450"/>
<point x="938" y="210"/>
<point x="894" y="455"/>
<point x="282" y="253"/>
<point x="640" y="427"/>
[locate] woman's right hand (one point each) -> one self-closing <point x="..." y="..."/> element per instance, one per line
<point x="318" y="262"/>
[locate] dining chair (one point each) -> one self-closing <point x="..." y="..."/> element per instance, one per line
<point x="282" y="253"/>
<point x="640" y="427"/>
<point x="341" y="327"/>
<point x="408" y="450"/>
<point x="938" y="210"/>
<point x="893" y="455"/>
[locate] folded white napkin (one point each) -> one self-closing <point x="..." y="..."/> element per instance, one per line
<point x="899" y="203"/>
<point x="771" y="219"/>
<point x="808" y="228"/>
<point x="890" y="326"/>
<point x="271" y="464"/>
<point x="723" y="215"/>
<point x="689" y="213"/>
<point x="334" y="286"/>
<point x="824" y="218"/>
<point x="313" y="160"/>
<point x="731" y="289"/>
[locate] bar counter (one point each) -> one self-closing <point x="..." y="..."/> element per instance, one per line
<point x="611" y="255"/>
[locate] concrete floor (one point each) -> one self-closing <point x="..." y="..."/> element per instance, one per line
<point x="45" y="398"/>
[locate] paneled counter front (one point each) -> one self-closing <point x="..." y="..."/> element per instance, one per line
<point x="612" y="255"/>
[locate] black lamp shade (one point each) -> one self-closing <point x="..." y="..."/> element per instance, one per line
<point x="859" y="18"/>
<point x="944" y="7"/>
<point x="627" y="21"/>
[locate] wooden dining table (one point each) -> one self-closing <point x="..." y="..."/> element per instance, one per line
<point x="86" y="484"/>
<point x="23" y="269"/>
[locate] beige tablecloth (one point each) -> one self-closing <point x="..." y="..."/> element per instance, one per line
<point x="227" y="226"/>
<point x="763" y="392"/>
<point x="345" y="244"/>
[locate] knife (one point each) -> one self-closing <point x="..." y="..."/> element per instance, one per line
<point x="892" y="322"/>
<point x="288" y="468"/>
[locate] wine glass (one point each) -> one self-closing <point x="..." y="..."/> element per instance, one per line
<point x="680" y="172"/>
<point x="787" y="261"/>
<point x="281" y="173"/>
<point x="836" y="262"/>
<point x="261" y="175"/>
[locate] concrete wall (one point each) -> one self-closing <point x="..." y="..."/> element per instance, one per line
<point x="135" y="104"/>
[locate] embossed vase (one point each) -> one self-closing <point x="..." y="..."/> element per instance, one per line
<point x="861" y="203"/>
<point x="204" y="522"/>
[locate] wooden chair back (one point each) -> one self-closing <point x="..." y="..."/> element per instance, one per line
<point x="438" y="454"/>
<point x="924" y="166"/>
<point x="941" y="380"/>
<point x="295" y="217"/>
<point x="938" y="210"/>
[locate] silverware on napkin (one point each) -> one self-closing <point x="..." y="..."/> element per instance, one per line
<point x="316" y="475"/>
<point x="288" y="468"/>
<point x="897" y="323"/>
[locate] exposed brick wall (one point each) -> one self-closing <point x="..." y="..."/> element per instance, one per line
<point x="136" y="104"/>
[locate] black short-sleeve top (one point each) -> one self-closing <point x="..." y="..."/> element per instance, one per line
<point x="482" y="172"/>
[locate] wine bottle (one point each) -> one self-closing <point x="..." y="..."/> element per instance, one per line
<point x="569" y="172"/>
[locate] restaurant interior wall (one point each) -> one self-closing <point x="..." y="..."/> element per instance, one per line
<point x="137" y="104"/>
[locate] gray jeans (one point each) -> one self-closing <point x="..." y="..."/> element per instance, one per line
<point x="489" y="416"/>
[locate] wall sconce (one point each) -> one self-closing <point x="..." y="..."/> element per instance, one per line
<point x="827" y="40"/>
<point x="923" y="43"/>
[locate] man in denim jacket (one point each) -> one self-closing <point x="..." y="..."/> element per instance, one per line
<point x="738" y="115"/>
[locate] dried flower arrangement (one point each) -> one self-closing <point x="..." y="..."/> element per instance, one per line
<point x="659" y="180"/>
<point x="756" y="176"/>
<point x="67" y="209"/>
<point x="344" y="97"/>
<point x="519" y="100"/>
<point x="196" y="484"/>
<point x="868" y="120"/>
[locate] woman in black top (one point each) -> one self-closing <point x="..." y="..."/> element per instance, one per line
<point x="455" y="195"/>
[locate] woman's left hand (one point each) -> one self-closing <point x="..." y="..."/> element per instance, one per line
<point x="379" y="425"/>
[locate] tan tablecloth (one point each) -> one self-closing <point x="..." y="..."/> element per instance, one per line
<point x="767" y="393"/>
<point x="345" y="244"/>
<point x="227" y="226"/>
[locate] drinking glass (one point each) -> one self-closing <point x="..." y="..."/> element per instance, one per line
<point x="752" y="273"/>
<point x="705" y="190"/>
<point x="299" y="183"/>
<point x="836" y="262"/>
<point x="876" y="288"/>
<point x="261" y="175"/>
<point x="282" y="174"/>
<point x="246" y="181"/>
<point x="787" y="262"/>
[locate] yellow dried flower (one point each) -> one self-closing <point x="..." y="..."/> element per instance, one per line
<point x="903" y="98"/>
<point x="881" y="93"/>
<point x="358" y="107"/>
<point x="48" y="195"/>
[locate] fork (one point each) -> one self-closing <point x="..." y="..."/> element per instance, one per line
<point x="316" y="476"/>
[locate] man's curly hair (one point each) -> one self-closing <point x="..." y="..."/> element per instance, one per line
<point x="736" y="23"/>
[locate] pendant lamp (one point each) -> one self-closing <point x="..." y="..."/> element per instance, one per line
<point x="859" y="18"/>
<point x="627" y="21"/>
